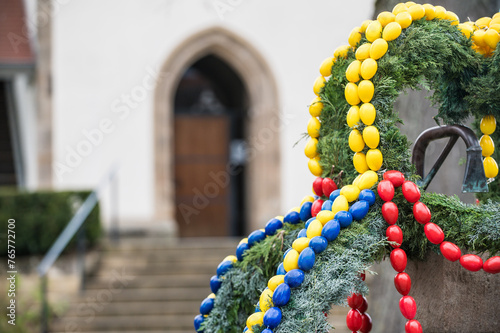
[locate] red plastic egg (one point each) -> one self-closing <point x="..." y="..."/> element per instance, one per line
<point x="492" y="265"/>
<point x="434" y="233"/>
<point x="408" y="307"/>
<point x="395" y="177"/>
<point x="394" y="234"/>
<point x="366" y="325"/>
<point x="421" y="212"/>
<point x="385" y="190"/>
<point x="398" y="260"/>
<point x="328" y="186"/>
<point x="471" y="262"/>
<point x="450" y="251"/>
<point x="413" y="326"/>
<point x="402" y="282"/>
<point x="355" y="300"/>
<point x="316" y="207"/>
<point x="353" y="320"/>
<point x="411" y="192"/>
<point x="363" y="306"/>
<point x="318" y="186"/>
<point x="390" y="212"/>
<point x="362" y="276"/>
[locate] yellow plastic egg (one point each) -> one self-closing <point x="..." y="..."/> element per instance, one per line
<point x="325" y="68"/>
<point x="293" y="209"/>
<point x="256" y="318"/>
<point x="351" y="93"/>
<point x="367" y="180"/>
<point x="300" y="243"/>
<point x="451" y="16"/>
<point x="291" y="260"/>
<point x="416" y="11"/>
<point x="243" y="241"/>
<point x="352" y="71"/>
<point x="314" y="229"/>
<point x="324" y="216"/>
<point x="339" y="204"/>
<point x="373" y="31"/>
<point x="365" y="25"/>
<point x="483" y="22"/>
<point x="440" y="12"/>
<point x="280" y="217"/>
<point x="319" y="83"/>
<point x="341" y="51"/>
<point x="371" y="136"/>
<point x="495" y="27"/>
<point x="359" y="161"/>
<point x="494" y="21"/>
<point x="310" y="149"/>
<point x="488" y="124"/>
<point x="487" y="145"/>
<point x="466" y="29"/>
<point x="313" y="127"/>
<point x="478" y="37"/>
<point x="368" y="68"/>
<point x="350" y="192"/>
<point x="366" y="90"/>
<point x="307" y="198"/>
<point x="490" y="167"/>
<point x="212" y="295"/>
<point x="430" y="11"/>
<point x="353" y="116"/>
<point x="391" y="31"/>
<point x="275" y="281"/>
<point x="404" y="19"/>
<point x="356" y="142"/>
<point x="409" y="3"/>
<point x="399" y="8"/>
<point x="266" y="299"/>
<point x="378" y="48"/>
<point x="491" y="38"/>
<point x="230" y="258"/>
<point x="367" y="113"/>
<point x="316" y="107"/>
<point x="363" y="51"/>
<point x="374" y="159"/>
<point x="354" y="36"/>
<point x="385" y="18"/>
<point x="314" y="166"/>
<point x="356" y="180"/>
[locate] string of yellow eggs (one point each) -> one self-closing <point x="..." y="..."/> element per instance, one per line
<point x="387" y="27"/>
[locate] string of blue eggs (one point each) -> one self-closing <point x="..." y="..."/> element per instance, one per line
<point x="300" y="258"/>
<point x="226" y="264"/>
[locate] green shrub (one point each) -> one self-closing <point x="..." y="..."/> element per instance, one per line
<point x="41" y="217"/>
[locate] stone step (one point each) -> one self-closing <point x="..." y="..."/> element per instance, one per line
<point x="124" y="323"/>
<point x="82" y="309"/>
<point x="151" y="294"/>
<point x="162" y="258"/>
<point x="155" y="281"/>
<point x="190" y="245"/>
<point x="175" y="269"/>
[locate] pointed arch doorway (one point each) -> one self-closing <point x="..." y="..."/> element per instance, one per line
<point x="261" y="128"/>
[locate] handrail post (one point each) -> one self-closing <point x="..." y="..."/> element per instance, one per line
<point x="44" y="306"/>
<point x="81" y="246"/>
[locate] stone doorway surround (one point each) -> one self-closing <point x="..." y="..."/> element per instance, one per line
<point x="263" y="122"/>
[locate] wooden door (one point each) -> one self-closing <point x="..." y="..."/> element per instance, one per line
<point x="201" y="190"/>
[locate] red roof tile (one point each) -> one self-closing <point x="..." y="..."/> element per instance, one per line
<point x="15" y="47"/>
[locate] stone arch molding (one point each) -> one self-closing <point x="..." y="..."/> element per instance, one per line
<point x="263" y="122"/>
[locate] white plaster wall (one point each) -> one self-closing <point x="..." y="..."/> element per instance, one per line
<point x="105" y="51"/>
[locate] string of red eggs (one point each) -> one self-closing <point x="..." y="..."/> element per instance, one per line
<point x="390" y="212"/>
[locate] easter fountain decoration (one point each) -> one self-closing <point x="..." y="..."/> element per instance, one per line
<point x="369" y="199"/>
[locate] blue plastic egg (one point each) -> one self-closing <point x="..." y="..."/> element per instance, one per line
<point x="272" y="226"/>
<point x="302" y="233"/>
<point x="294" y="278"/>
<point x="367" y="195"/>
<point x="334" y="195"/>
<point x="281" y="295"/>
<point x="245" y="329"/>
<point x="215" y="283"/>
<point x="272" y="318"/>
<point x="257" y="307"/>
<point x="198" y="320"/>
<point x="206" y="306"/>
<point x="318" y="244"/>
<point x="331" y="230"/>
<point x="306" y="259"/>
<point x="224" y="267"/>
<point x="359" y="210"/>
<point x="284" y="254"/>
<point x="344" y="218"/>
<point x="240" y="250"/>
<point x="327" y="205"/>
<point x="256" y="237"/>
<point x="267" y="330"/>
<point x="293" y="218"/>
<point x="280" y="270"/>
<point x="309" y="222"/>
<point x="305" y="211"/>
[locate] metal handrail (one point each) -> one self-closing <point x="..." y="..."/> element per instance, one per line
<point x="74" y="226"/>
